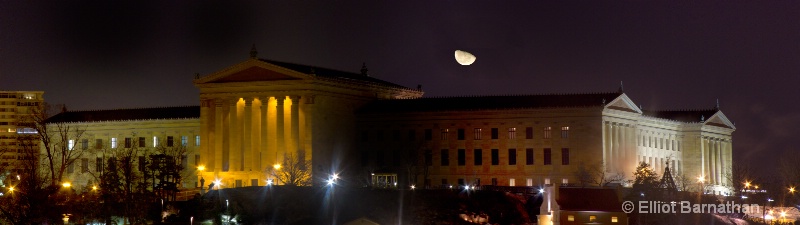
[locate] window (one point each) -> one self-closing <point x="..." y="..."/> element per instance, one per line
<point x="460" y="181"/>
<point x="565" y="181"/>
<point x="477" y="133"/>
<point x="564" y="132"/>
<point x="494" y="181"/>
<point x="428" y="157"/>
<point x="512" y="156"/>
<point x="445" y="154"/>
<point x="529" y="182"/>
<point x="128" y="142"/>
<point x="614" y="219"/>
<point x="196" y="159"/>
<point x="495" y="157"/>
<point x="98" y="165"/>
<point x="592" y="218"/>
<point x="71" y="144"/>
<point x="396" y="135"/>
<point x="460" y="134"/>
<point x="238" y="183"/>
<point x="529" y="156"/>
<point x="71" y="168"/>
<point x="98" y="143"/>
<point x="155" y="141"/>
<point x="547" y="156"/>
<point x="478" y="157"/>
<point x="85" y="144"/>
<point x="495" y="133"/>
<point x="84" y="165"/>
<point x="570" y="218"/>
<point x="184" y="141"/>
<point x="529" y="133"/>
<point x="512" y="133"/>
<point x="564" y="156"/>
<point x="412" y="135"/>
<point x="462" y="157"/>
<point x="546" y="180"/>
<point x="142" y="143"/>
<point x="170" y="141"/>
<point x="444" y="134"/>
<point x="197" y="140"/>
<point x="547" y="131"/>
<point x="429" y="135"/>
<point x="512" y="182"/>
<point x="113" y="142"/>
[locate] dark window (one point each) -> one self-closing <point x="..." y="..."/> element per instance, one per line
<point x="529" y="156"/>
<point x="238" y="183"/>
<point x="379" y="156"/>
<point x="460" y="181"/>
<point x="141" y="142"/>
<point x="98" y="165"/>
<point x="98" y="144"/>
<point x="547" y="156"/>
<point x="445" y="154"/>
<point x="512" y="156"/>
<point x="547" y="131"/>
<point x="184" y="161"/>
<point x="495" y="133"/>
<point x="564" y="156"/>
<point x="379" y="135"/>
<point x="444" y="133"/>
<point x="494" y="181"/>
<point x="254" y="182"/>
<point x="428" y="157"/>
<point x="396" y="135"/>
<point x="462" y="158"/>
<point x="128" y="142"/>
<point x="84" y="165"/>
<point x="428" y="134"/>
<point x="364" y="136"/>
<point x="170" y="141"/>
<point x="529" y="133"/>
<point x="478" y="154"/>
<point x="477" y="182"/>
<point x="85" y="144"/>
<point x="495" y="157"/>
<point x="196" y="159"/>
<point x="460" y="134"/>
<point x="141" y="163"/>
<point x="412" y="135"/>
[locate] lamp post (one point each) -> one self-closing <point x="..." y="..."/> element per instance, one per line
<point x="702" y="180"/>
<point x="200" y="170"/>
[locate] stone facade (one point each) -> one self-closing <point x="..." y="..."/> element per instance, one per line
<point x="13" y="106"/>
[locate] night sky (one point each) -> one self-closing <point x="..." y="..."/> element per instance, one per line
<point x="669" y="54"/>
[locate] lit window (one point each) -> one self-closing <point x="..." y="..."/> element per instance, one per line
<point x="512" y="133"/>
<point x="184" y="141"/>
<point x="71" y="144"/>
<point x="444" y="134"/>
<point x="564" y="132"/>
<point x="546" y="180"/>
<point x="614" y="219"/>
<point x="477" y="133"/>
<point x="113" y="142"/>
<point x="511" y="182"/>
<point x="570" y="218"/>
<point x="197" y="140"/>
<point x="529" y="182"/>
<point x="565" y="181"/>
<point x="155" y="141"/>
<point x="592" y="218"/>
<point x="547" y="131"/>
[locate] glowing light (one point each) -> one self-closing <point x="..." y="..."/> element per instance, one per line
<point x="336" y="176"/>
<point x="701" y="179"/>
<point x="791" y="190"/>
<point x="18" y="177"/>
<point x="66" y="184"/>
<point x="451" y="186"/>
<point x="412" y="187"/>
<point x="464" y="58"/>
<point x="541" y="191"/>
<point x="783" y="214"/>
<point x="747" y="184"/>
<point x="201" y="168"/>
<point x="269" y="182"/>
<point x="94" y="188"/>
<point x="744" y="197"/>
<point x="756" y="187"/>
<point x="331" y="182"/>
<point x="395" y="184"/>
<point x="217" y="183"/>
<point x="11" y="189"/>
<point x="276" y="166"/>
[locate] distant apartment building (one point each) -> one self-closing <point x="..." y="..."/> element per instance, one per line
<point x="14" y="106"/>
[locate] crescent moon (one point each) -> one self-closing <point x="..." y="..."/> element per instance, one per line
<point x="465" y="58"/>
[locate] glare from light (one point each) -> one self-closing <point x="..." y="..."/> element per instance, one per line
<point x="11" y="189"/>
<point x="18" y="177"/>
<point x="331" y="182"/>
<point x="412" y="187"/>
<point x="791" y="190"/>
<point x="747" y="184"/>
<point x="770" y="200"/>
<point x="94" y="188"/>
<point x="335" y="176"/>
<point x="756" y="186"/>
<point x="744" y="197"/>
<point x="783" y="214"/>
<point x="395" y="184"/>
<point x="277" y="166"/>
<point x="66" y="184"/>
<point x="541" y="190"/>
<point x="701" y="179"/>
<point x="269" y="182"/>
<point x="451" y="186"/>
<point x="201" y="168"/>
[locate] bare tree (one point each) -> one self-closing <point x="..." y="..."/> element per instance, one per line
<point x="295" y="170"/>
<point x="683" y="181"/>
<point x="58" y="140"/>
<point x="595" y="175"/>
<point x="738" y="174"/>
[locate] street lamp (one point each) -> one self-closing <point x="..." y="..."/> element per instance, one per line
<point x="702" y="180"/>
<point x="66" y="184"/>
<point x="791" y="190"/>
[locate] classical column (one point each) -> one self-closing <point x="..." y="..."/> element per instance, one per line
<point x="604" y="133"/>
<point x="618" y="147"/>
<point x="712" y="167"/>
<point x="247" y="112"/>
<point x="221" y="148"/>
<point x="236" y="136"/>
<point x="703" y="156"/>
<point x="295" y="123"/>
<point x="279" y="128"/>
<point x="720" y="163"/>
<point x="206" y="128"/>
<point x="262" y="137"/>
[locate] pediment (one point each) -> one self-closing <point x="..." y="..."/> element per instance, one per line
<point x="623" y="103"/>
<point x="254" y="74"/>
<point x="252" y="70"/>
<point x="720" y="120"/>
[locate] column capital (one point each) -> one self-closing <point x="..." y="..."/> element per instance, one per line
<point x="248" y="103"/>
<point x="295" y="99"/>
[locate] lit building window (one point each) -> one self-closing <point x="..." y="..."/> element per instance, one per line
<point x="477" y="133"/>
<point x="529" y="182"/>
<point x="547" y="131"/>
<point x="614" y="219"/>
<point x="184" y="141"/>
<point x="564" y="132"/>
<point x="546" y="180"/>
<point x="155" y="141"/>
<point x="565" y="181"/>
<point x="113" y="142"/>
<point x="444" y="134"/>
<point x="592" y="218"/>
<point x="197" y="140"/>
<point x="570" y="218"/>
<point x="511" y="182"/>
<point x="512" y="133"/>
<point x="71" y="144"/>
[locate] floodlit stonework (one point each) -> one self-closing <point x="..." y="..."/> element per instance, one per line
<point x="13" y="106"/>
